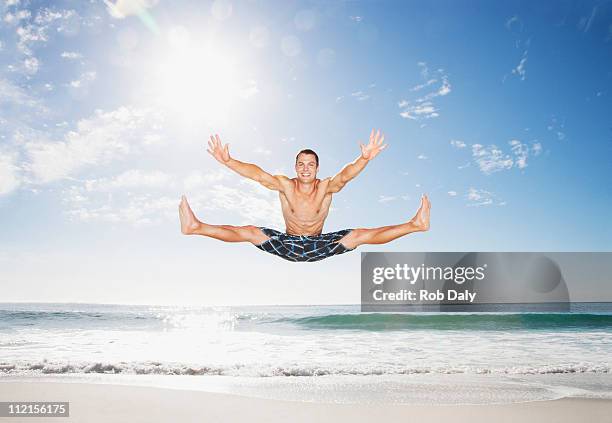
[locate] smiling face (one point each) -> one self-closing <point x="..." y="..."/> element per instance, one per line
<point x="306" y="167"/>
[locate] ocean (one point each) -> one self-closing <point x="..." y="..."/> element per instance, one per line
<point x="316" y="353"/>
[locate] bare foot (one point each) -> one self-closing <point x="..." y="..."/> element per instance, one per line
<point x="421" y="218"/>
<point x="189" y="222"/>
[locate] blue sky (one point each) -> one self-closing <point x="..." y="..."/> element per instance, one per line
<point x="499" y="111"/>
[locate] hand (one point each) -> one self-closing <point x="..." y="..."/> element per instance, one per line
<point x="218" y="150"/>
<point x="374" y="147"/>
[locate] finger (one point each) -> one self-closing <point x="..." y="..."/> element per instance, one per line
<point x="382" y="138"/>
<point x="377" y="135"/>
<point x="211" y="145"/>
<point x="372" y="135"/>
<point x="212" y="140"/>
<point x="210" y="152"/>
<point x="382" y="147"/>
<point x="218" y="140"/>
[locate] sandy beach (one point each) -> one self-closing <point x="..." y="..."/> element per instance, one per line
<point x="117" y="403"/>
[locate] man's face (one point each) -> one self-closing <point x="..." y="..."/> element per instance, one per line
<point x="306" y="167"/>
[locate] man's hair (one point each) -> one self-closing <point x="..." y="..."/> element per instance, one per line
<point x="307" y="151"/>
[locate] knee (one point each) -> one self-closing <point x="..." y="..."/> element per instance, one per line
<point x="359" y="234"/>
<point x="250" y="229"/>
<point x="354" y="238"/>
<point x="253" y="234"/>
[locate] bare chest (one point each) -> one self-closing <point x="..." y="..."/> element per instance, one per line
<point x="305" y="207"/>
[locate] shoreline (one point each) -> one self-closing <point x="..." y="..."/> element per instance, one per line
<point x="413" y="389"/>
<point x="92" y="402"/>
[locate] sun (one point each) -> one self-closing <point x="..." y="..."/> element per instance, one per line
<point x="195" y="79"/>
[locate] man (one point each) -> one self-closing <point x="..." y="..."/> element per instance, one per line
<point x="305" y="202"/>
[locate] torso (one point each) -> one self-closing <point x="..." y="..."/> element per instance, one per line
<point x="305" y="214"/>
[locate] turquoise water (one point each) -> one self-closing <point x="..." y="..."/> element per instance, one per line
<point x="316" y="351"/>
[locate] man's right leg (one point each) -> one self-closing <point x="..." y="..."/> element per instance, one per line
<point x="190" y="225"/>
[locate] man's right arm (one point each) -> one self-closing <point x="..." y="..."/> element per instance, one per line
<point x="221" y="153"/>
<point x="254" y="172"/>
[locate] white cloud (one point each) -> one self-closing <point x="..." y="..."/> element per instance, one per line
<point x="199" y="179"/>
<point x="19" y="15"/>
<point x="386" y="198"/>
<point x="135" y="197"/>
<point x="423" y="107"/>
<point x="31" y="65"/>
<point x="28" y="35"/>
<point x="71" y="55"/>
<point x="131" y="179"/>
<point x="140" y="197"/>
<point x="254" y="203"/>
<point x="31" y="32"/>
<point x="99" y="139"/>
<point x="585" y="23"/>
<point x="47" y="15"/>
<point x="520" y="68"/>
<point x="360" y="95"/>
<point x="9" y="179"/>
<point x="140" y="210"/>
<point x="452" y="193"/>
<point x="11" y="94"/>
<point x="445" y="89"/>
<point x="536" y="148"/>
<point x="84" y="80"/>
<point x="491" y="159"/>
<point x="514" y="21"/>
<point x="426" y="84"/>
<point x="422" y="157"/>
<point x="521" y="151"/>
<point x="61" y="21"/>
<point x="424" y="69"/>
<point x="481" y="197"/>
<point x="457" y="143"/>
<point x="264" y="151"/>
<point x="425" y="111"/>
<point x="557" y="128"/>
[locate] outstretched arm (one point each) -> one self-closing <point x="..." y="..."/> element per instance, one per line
<point x="221" y="153"/>
<point x="348" y="172"/>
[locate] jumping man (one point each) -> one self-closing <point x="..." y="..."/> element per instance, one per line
<point x="305" y="202"/>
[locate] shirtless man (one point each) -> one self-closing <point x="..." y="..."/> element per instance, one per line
<point x="305" y="202"/>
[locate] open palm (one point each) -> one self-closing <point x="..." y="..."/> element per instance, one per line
<point x="219" y="151"/>
<point x="374" y="147"/>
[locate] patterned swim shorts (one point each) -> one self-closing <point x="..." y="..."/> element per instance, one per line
<point x="304" y="247"/>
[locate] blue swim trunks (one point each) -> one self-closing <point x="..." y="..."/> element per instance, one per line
<point x="304" y="247"/>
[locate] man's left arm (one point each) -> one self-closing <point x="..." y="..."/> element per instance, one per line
<point x="351" y="170"/>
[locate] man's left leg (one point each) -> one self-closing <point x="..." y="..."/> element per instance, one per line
<point x="384" y="234"/>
